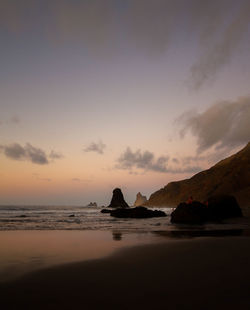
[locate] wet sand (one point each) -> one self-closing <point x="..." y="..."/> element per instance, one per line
<point x="199" y="273"/>
<point x="26" y="251"/>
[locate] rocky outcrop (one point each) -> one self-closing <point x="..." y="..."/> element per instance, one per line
<point x="222" y="207"/>
<point x="140" y="200"/>
<point x="193" y="213"/>
<point x="117" y="200"/>
<point x="217" y="208"/>
<point x="137" y="212"/>
<point x="106" y="210"/>
<point x="230" y="176"/>
<point x="92" y="204"/>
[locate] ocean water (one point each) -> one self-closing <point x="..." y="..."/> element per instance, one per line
<point x="91" y="218"/>
<point x="72" y="218"/>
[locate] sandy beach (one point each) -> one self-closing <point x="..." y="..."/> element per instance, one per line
<point x="199" y="273"/>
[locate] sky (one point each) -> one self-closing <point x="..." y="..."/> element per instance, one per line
<point x="98" y="94"/>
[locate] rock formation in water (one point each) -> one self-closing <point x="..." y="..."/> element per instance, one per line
<point x="217" y="208"/>
<point x="221" y="207"/>
<point x="230" y="176"/>
<point x="140" y="200"/>
<point x="117" y="200"/>
<point x="92" y="204"/>
<point x="137" y="212"/>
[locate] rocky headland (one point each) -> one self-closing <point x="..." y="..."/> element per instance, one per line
<point x="230" y="176"/>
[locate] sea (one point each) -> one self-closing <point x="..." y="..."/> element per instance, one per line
<point x="90" y="218"/>
<point x="73" y="218"/>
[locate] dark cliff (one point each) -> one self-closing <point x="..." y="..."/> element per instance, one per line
<point x="229" y="176"/>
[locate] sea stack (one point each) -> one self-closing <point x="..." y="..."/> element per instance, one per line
<point x="117" y="200"/>
<point x="140" y="200"/>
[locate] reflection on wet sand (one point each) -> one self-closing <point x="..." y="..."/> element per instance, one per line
<point x="203" y="233"/>
<point x="25" y="251"/>
<point x="117" y="235"/>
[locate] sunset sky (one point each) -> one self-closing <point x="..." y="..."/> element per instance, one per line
<point x="99" y="94"/>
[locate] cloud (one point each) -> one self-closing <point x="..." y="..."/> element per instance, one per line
<point x="28" y="152"/>
<point x="224" y="125"/>
<point x="37" y="177"/>
<point x="141" y="160"/>
<point x="219" y="51"/>
<point x="188" y="169"/>
<point x="15" y="119"/>
<point x="219" y="27"/>
<point x="36" y="155"/>
<point x="14" y="151"/>
<point x="151" y="26"/>
<point x="147" y="161"/>
<point x="187" y="164"/>
<point x="175" y="160"/>
<point x="95" y="147"/>
<point x="55" y="155"/>
<point x="78" y="180"/>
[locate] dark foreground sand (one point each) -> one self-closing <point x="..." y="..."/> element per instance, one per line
<point x="203" y="273"/>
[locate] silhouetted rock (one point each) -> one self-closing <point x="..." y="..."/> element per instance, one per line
<point x="106" y="211"/>
<point x="218" y="208"/>
<point x="92" y="204"/>
<point x="117" y="200"/>
<point x="140" y="200"/>
<point x="137" y="212"/>
<point x="193" y="213"/>
<point x="72" y="215"/>
<point x="222" y="207"/>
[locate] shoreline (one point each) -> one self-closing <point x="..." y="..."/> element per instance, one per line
<point x="22" y="252"/>
<point x="199" y="273"/>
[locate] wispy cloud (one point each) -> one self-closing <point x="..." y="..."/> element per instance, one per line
<point x="220" y="39"/>
<point x="221" y="27"/>
<point x="39" y="178"/>
<point x="95" y="147"/>
<point x="147" y="161"/>
<point x="55" y="155"/>
<point x="14" y="119"/>
<point x="76" y="180"/>
<point x="28" y="152"/>
<point x="79" y="180"/>
<point x="141" y="160"/>
<point x="224" y="125"/>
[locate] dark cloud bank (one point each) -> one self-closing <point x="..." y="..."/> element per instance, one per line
<point x="224" y="125"/>
<point x="29" y="153"/>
